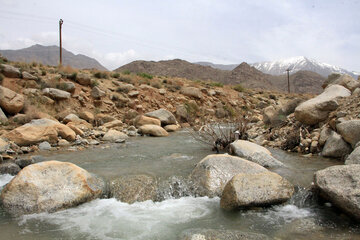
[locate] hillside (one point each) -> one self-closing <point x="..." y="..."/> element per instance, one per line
<point x="227" y="67"/>
<point x="49" y="55"/>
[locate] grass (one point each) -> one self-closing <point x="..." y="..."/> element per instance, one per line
<point x="94" y="83"/>
<point x="230" y="110"/>
<point x="239" y="88"/>
<point x="145" y="75"/>
<point x="125" y="79"/>
<point x="115" y="75"/>
<point x="126" y="72"/>
<point x="216" y="84"/>
<point x="101" y="75"/>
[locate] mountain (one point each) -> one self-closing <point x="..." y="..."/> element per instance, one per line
<point x="297" y="64"/>
<point x="49" y="55"/>
<point x="228" y="67"/>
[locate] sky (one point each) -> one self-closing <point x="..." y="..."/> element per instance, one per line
<point x="117" y="32"/>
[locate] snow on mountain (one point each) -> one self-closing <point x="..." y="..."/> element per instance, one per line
<point x="299" y="63"/>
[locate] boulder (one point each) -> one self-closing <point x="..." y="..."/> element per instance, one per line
<point x="125" y="87"/>
<point x="24" y="162"/>
<point x="68" y="86"/>
<point x="113" y="135"/>
<point x="10" y="71"/>
<point x="350" y="131"/>
<point x="163" y="115"/>
<point x="182" y="112"/>
<point x="219" y="234"/>
<point x="255" y="190"/>
<point x="212" y="173"/>
<point x="132" y="189"/>
<point x="86" y="115"/>
<point x="344" y="80"/>
<point x="354" y="157"/>
<point x="335" y="146"/>
<point x="10" y="101"/>
<point x="50" y="186"/>
<point x="56" y="94"/>
<point x="28" y="76"/>
<point x="112" y="124"/>
<point x="144" y="120"/>
<point x="317" y="109"/>
<point x="153" y="130"/>
<point x="9" y="168"/>
<point x="3" y="118"/>
<point x="97" y="93"/>
<point x="63" y="143"/>
<point x="172" y="127"/>
<point x="191" y="92"/>
<point x="133" y="93"/>
<point x="340" y="185"/>
<point x="45" y="146"/>
<point x="40" y="130"/>
<point x="324" y="135"/>
<point x="83" y="79"/>
<point x="72" y="118"/>
<point x="254" y="153"/>
<point x="74" y="127"/>
<point x="4" y="145"/>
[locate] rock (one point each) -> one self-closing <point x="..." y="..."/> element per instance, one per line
<point x="254" y="153"/>
<point x="10" y="71"/>
<point x="354" y="157"/>
<point x="56" y="94"/>
<point x="273" y="116"/>
<point x="153" y="130"/>
<point x="191" y="92"/>
<point x="50" y="186"/>
<point x="40" y="130"/>
<point x="4" y="145"/>
<point x="133" y="93"/>
<point x="182" y="112"/>
<point x="125" y="87"/>
<point x="10" y="101"/>
<point x="1" y="159"/>
<point x="163" y="115"/>
<point x="63" y="143"/>
<point x="324" y="135"/>
<point x="72" y="118"/>
<point x="132" y="189"/>
<point x="340" y="185"/>
<point x="346" y="81"/>
<point x="9" y="168"/>
<point x="314" y="146"/>
<point x="255" y="190"/>
<point x="220" y="113"/>
<point x="73" y="127"/>
<point x="112" y="124"/>
<point x="212" y="173"/>
<point x="317" y="109"/>
<point x="23" y="162"/>
<point x="3" y="118"/>
<point x="162" y="91"/>
<point x="83" y="79"/>
<point x="335" y="146"/>
<point x="45" y="146"/>
<point x="97" y="93"/>
<point x="28" y="76"/>
<point x="113" y="135"/>
<point x="94" y="142"/>
<point x="350" y="131"/>
<point x="172" y="128"/>
<point x="86" y="115"/>
<point x="68" y="86"/>
<point x="144" y="120"/>
<point x="218" y="234"/>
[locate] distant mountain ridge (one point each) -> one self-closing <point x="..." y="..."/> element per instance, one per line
<point x="228" y="67"/>
<point x="49" y="55"/>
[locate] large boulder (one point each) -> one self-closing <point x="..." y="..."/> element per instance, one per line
<point x="3" y="118"/>
<point x="255" y="153"/>
<point x="50" y="186"/>
<point x="317" y="109"/>
<point x="4" y="145"/>
<point x="153" y="130"/>
<point x="335" y="146"/>
<point x="9" y="168"/>
<point x="28" y="76"/>
<point x="132" y="189"/>
<point x="344" y="80"/>
<point x="340" y="185"/>
<point x="255" y="190"/>
<point x="86" y="115"/>
<point x="212" y="173"/>
<point x="56" y="94"/>
<point x="144" y="120"/>
<point x="10" y="71"/>
<point x="112" y="124"/>
<point x="97" y="93"/>
<point x="354" y="157"/>
<point x="40" y="130"/>
<point x="114" y="135"/>
<point x="83" y="79"/>
<point x="191" y="92"/>
<point x="350" y="131"/>
<point x="219" y="234"/>
<point x="10" y="101"/>
<point x="163" y="115"/>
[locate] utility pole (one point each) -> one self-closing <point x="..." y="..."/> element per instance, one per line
<point x="60" y="25"/>
<point x="288" y="78"/>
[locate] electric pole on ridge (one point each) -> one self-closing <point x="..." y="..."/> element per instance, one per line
<point x="288" y="78"/>
<point x="60" y="25"/>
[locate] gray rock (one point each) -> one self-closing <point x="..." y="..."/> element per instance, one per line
<point x="97" y="93"/>
<point x="191" y="92"/>
<point x="212" y="173"/>
<point x="317" y="109"/>
<point x="3" y="118"/>
<point x="28" y="76"/>
<point x="23" y="162"/>
<point x="335" y="146"/>
<point x="50" y="186"/>
<point x="153" y="130"/>
<point x="218" y="234"/>
<point x="10" y="71"/>
<point x="346" y="81"/>
<point x="182" y="113"/>
<point x="132" y="189"/>
<point x="113" y="135"/>
<point x="94" y="142"/>
<point x="324" y="135"/>
<point x="163" y="115"/>
<point x="9" y="168"/>
<point x="254" y="153"/>
<point x="83" y="79"/>
<point x="56" y="94"/>
<point x="354" y="157"/>
<point x="133" y="93"/>
<point x="45" y="146"/>
<point x="350" y="131"/>
<point x="340" y="185"/>
<point x="255" y="190"/>
<point x="68" y="86"/>
<point x="4" y="145"/>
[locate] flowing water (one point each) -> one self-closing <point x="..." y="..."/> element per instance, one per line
<point x="171" y="160"/>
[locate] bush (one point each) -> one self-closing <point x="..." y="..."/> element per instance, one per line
<point x="145" y="75"/>
<point x="126" y="72"/>
<point x="215" y="84"/>
<point x="124" y="79"/>
<point x="94" y="83"/>
<point x="43" y="73"/>
<point x="121" y="89"/>
<point x="34" y="64"/>
<point x="115" y="75"/>
<point x="1" y="78"/>
<point x="72" y="76"/>
<point x="239" y="88"/>
<point x="101" y="75"/>
<point x="230" y="110"/>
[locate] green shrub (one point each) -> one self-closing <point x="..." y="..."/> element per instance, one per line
<point x="126" y="72"/>
<point x="34" y="64"/>
<point x="124" y="79"/>
<point x="122" y="89"/>
<point x="1" y="78"/>
<point x="43" y="73"/>
<point x="230" y="110"/>
<point x="216" y="84"/>
<point x="72" y="76"/>
<point x="101" y="75"/>
<point x="115" y="75"/>
<point x="239" y="88"/>
<point x="145" y="75"/>
<point x="94" y="83"/>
